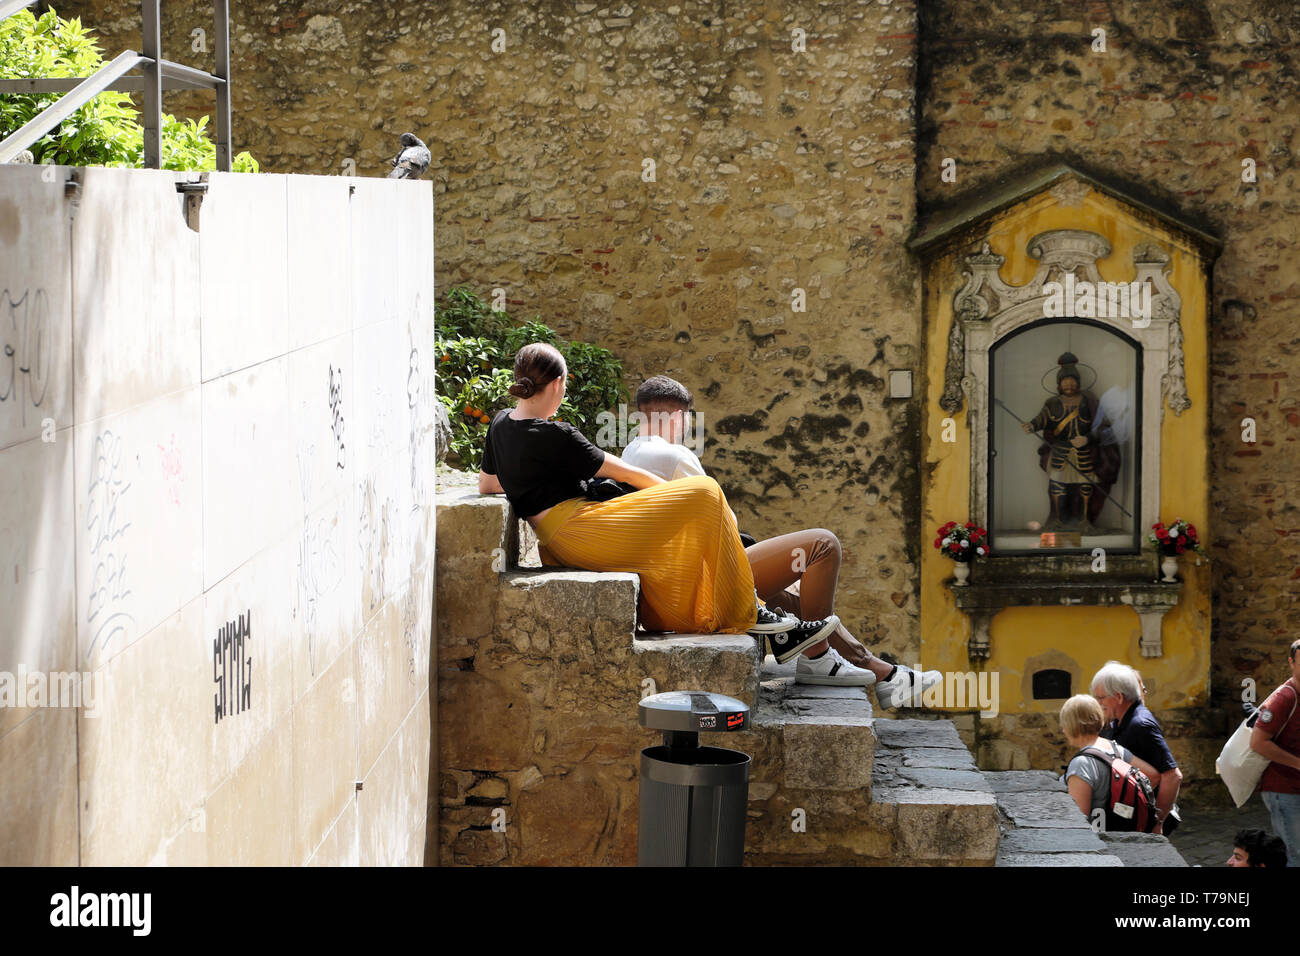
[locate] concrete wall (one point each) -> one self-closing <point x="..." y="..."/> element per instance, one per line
<point x="216" y="462"/>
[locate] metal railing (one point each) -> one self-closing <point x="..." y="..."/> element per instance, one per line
<point x="158" y="74"/>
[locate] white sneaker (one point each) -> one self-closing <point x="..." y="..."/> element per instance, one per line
<point x="906" y="687"/>
<point x="832" y="669"/>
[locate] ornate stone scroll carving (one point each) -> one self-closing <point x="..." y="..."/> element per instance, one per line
<point x="1166" y="304"/>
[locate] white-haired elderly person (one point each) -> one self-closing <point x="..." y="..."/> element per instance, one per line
<point x="1118" y="688"/>
<point x="1088" y="778"/>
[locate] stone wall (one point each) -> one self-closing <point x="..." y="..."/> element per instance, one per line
<point x="216" y="521"/>
<point x="1183" y="94"/>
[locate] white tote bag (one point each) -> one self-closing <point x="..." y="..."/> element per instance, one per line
<point x="1238" y="765"/>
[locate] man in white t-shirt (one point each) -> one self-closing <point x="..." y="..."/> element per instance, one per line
<point x="814" y="552"/>
<point x="664" y="456"/>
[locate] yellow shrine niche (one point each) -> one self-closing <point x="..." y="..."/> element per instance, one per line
<point x="1064" y="302"/>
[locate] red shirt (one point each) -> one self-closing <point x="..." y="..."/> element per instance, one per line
<point x="1279" y="778"/>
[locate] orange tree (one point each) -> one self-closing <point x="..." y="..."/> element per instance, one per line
<point x="476" y="348"/>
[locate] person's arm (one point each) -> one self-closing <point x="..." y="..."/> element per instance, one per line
<point x="1081" y="793"/>
<point x="1152" y="773"/>
<point x="1039" y="421"/>
<point x="1170" y="781"/>
<point x="1262" y="743"/>
<point x="487" y="474"/>
<point x="616" y="468"/>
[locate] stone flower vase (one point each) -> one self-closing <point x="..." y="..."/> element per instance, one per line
<point x="1169" y="565"/>
<point x="961" y="572"/>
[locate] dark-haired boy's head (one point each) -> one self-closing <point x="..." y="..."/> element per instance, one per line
<point x="663" y="394"/>
<point x="1272" y="853"/>
<point x="662" y="404"/>
<point x="1254" y="847"/>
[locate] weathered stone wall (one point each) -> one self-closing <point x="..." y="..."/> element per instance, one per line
<point x="1184" y="93"/>
<point x="216" y="520"/>
<point x="775" y="171"/>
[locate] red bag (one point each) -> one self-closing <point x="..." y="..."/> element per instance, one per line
<point x="1132" y="805"/>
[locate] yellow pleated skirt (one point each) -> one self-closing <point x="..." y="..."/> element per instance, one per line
<point x="680" y="537"/>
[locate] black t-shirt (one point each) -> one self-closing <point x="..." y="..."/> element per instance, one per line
<point x="538" y="463"/>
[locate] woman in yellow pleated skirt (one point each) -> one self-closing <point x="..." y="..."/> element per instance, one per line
<point x="680" y="536"/>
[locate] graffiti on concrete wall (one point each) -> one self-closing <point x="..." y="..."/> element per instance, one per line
<point x="173" y="470"/>
<point x="320" y="558"/>
<point x="376" y="527"/>
<point x="232" y="667"/>
<point x="336" y="413"/>
<point x="106" y="526"/>
<point x="25" y="343"/>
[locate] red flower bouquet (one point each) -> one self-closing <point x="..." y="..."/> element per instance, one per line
<point x="1175" y="539"/>
<point x="962" y="542"/>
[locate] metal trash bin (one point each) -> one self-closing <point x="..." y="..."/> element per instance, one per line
<point x="693" y="798"/>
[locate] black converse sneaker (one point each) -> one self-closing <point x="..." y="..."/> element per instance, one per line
<point x="770" y="622"/>
<point x="803" y="635"/>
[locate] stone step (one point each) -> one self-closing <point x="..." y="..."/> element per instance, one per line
<point x="938" y="806"/>
<point x="492" y="517"/>
<point x="1042" y="826"/>
<point x="813" y="748"/>
<point x="717" y="663"/>
<point x="541" y="672"/>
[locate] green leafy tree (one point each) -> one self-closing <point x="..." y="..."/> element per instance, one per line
<point x="476" y="348"/>
<point x="104" y="132"/>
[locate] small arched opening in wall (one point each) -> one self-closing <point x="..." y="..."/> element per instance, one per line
<point x="1051" y="683"/>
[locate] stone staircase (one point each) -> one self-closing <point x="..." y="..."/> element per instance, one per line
<point x="540" y="673"/>
<point x="1042" y="827"/>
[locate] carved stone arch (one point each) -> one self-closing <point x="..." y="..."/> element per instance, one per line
<point x="1003" y="309"/>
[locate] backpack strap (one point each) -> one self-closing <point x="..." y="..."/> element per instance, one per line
<point x="1094" y="751"/>
<point x="1295" y="699"/>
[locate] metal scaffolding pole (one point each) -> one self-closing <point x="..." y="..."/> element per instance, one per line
<point x="56" y="113"/>
<point x="159" y="75"/>
<point x="152" y="105"/>
<point x="221" y="70"/>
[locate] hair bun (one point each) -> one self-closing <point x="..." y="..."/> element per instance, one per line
<point x="524" y="388"/>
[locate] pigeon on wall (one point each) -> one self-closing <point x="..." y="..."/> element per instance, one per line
<point x="412" y="161"/>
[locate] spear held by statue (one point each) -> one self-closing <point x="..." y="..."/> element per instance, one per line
<point x="1092" y="481"/>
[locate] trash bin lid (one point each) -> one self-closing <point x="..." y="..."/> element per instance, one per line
<point x="693" y="710"/>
